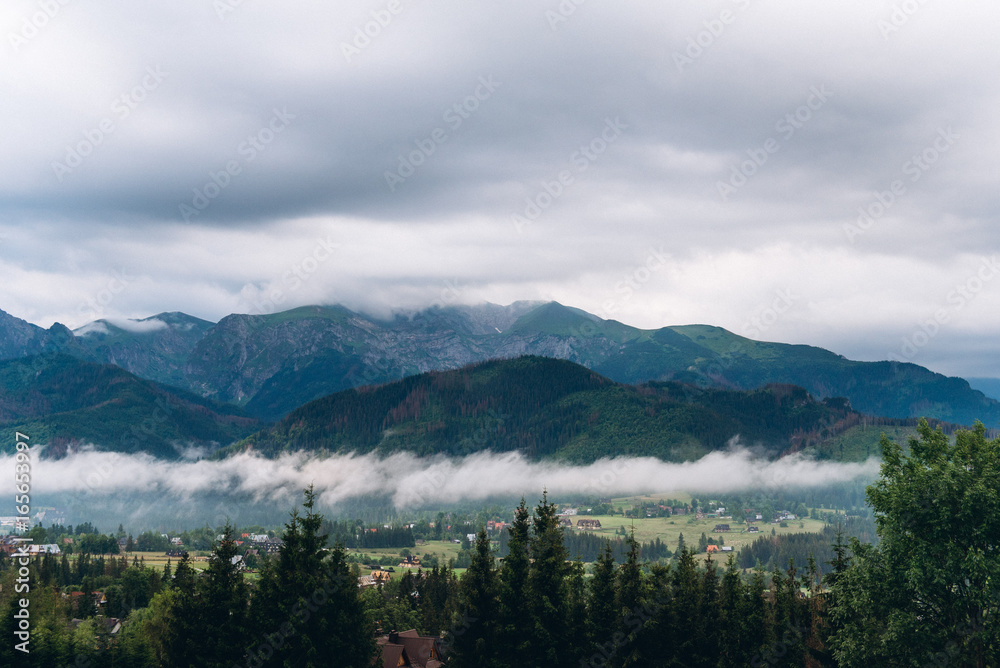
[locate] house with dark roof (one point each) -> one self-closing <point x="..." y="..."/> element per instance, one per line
<point x="719" y="528"/>
<point x="588" y="524"/>
<point x="407" y="649"/>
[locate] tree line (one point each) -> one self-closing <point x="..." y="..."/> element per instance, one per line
<point x="927" y="593"/>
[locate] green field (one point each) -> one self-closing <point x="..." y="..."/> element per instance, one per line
<point x="443" y="550"/>
<point x="669" y="529"/>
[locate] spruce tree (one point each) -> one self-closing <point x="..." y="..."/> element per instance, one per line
<point x="307" y="610"/>
<point x="686" y="627"/>
<point x="603" y="610"/>
<point x="222" y="604"/>
<point x="733" y="652"/>
<point x="630" y="604"/>
<point x="473" y="642"/>
<point x="185" y="629"/>
<point x="515" y="610"/>
<point x="547" y="589"/>
<point x="710" y="614"/>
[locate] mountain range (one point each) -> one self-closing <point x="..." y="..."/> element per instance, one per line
<point x="247" y="370"/>
<point x="271" y="364"/>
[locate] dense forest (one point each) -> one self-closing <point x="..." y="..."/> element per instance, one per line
<point x="553" y="408"/>
<point x="926" y="593"/>
<point x="63" y="401"/>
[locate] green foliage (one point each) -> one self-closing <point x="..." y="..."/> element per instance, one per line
<point x="474" y="643"/>
<point x="59" y="399"/>
<point x="550" y="408"/>
<point x="931" y="587"/>
<point x="307" y="607"/>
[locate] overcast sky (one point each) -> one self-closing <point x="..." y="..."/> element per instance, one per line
<point x="654" y="162"/>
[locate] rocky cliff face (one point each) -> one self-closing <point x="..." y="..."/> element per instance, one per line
<point x="271" y="364"/>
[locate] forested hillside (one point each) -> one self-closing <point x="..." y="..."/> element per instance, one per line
<point x="552" y="408"/>
<point x="62" y="401"/>
<point x="273" y="363"/>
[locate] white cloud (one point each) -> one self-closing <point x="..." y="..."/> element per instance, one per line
<point x="412" y="482"/>
<point x="138" y="326"/>
<point x="324" y="174"/>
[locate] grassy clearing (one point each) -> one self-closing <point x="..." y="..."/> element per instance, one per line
<point x="443" y="550"/>
<point x="669" y="529"/>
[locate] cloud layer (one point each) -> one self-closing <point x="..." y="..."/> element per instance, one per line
<point x="195" y="156"/>
<point x="90" y="480"/>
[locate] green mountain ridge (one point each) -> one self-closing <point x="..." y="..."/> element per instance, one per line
<point x="271" y="364"/>
<point x="65" y="402"/>
<point x="555" y="409"/>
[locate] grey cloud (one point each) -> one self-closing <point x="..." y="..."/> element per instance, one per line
<point x="689" y="126"/>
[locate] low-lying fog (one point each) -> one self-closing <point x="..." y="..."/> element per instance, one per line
<point x="139" y="490"/>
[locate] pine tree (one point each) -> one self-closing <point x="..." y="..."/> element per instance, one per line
<point x="687" y="624"/>
<point x="630" y="601"/>
<point x="577" y="613"/>
<point x="307" y="608"/>
<point x="473" y="642"/>
<point x="65" y="572"/>
<point x="515" y="610"/>
<point x="757" y="630"/>
<point x="603" y="611"/>
<point x="185" y="631"/>
<point x="547" y="589"/>
<point x="222" y="604"/>
<point x="710" y="613"/>
<point x="733" y="651"/>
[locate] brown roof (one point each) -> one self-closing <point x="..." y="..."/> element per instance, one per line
<point x="392" y="656"/>
<point x="408" y="648"/>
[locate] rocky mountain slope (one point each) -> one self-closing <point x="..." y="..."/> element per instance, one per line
<point x="271" y="364"/>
